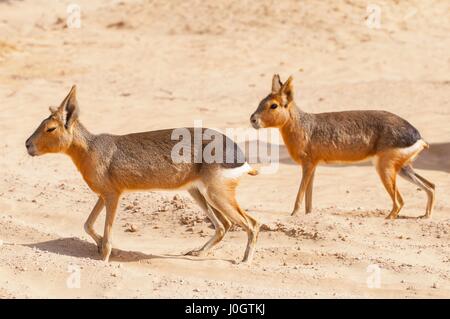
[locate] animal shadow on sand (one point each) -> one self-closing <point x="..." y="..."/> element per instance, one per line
<point x="372" y="214"/>
<point x="76" y="247"/>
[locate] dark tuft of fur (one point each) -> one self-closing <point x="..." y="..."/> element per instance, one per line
<point x="409" y="135"/>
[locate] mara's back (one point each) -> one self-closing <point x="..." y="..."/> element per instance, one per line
<point x="359" y="134"/>
<point x="156" y="159"/>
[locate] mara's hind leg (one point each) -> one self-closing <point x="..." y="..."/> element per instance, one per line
<point x="430" y="194"/>
<point x="408" y="174"/>
<point x="222" y="198"/>
<point x="387" y="170"/>
<point x="221" y="224"/>
<point x="89" y="224"/>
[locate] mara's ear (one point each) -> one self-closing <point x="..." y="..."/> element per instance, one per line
<point x="69" y="108"/>
<point x="276" y="84"/>
<point x="287" y="91"/>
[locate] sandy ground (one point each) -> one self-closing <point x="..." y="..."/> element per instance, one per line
<point x="144" y="65"/>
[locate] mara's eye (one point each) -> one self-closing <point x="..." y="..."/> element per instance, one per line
<point x="274" y="106"/>
<point x="51" y="129"/>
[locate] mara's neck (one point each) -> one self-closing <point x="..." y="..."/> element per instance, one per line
<point x="295" y="130"/>
<point x="293" y="125"/>
<point x="79" y="148"/>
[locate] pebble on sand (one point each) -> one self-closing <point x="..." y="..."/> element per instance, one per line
<point x="132" y="228"/>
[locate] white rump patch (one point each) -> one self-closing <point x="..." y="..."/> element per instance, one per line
<point x="236" y="172"/>
<point x="416" y="147"/>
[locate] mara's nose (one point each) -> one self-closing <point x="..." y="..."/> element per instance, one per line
<point x="28" y="144"/>
<point x="255" y="121"/>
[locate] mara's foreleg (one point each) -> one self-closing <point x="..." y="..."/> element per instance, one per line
<point x="309" y="191"/>
<point x="307" y="172"/>
<point x="89" y="224"/>
<point x="111" y="201"/>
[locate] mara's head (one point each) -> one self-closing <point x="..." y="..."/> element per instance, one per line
<point x="273" y="110"/>
<point x="55" y="133"/>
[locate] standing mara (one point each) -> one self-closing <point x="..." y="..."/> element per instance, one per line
<point x="349" y="136"/>
<point x="113" y="164"/>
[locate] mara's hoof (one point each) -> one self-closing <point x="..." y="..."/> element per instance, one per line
<point x="105" y="258"/>
<point x="106" y="252"/>
<point x="241" y="264"/>
<point x="195" y="253"/>
<point x="245" y="262"/>
<point x="295" y="212"/>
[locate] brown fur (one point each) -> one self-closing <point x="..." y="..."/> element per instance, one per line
<point x="112" y="164"/>
<point x="337" y="137"/>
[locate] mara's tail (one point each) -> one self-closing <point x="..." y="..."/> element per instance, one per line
<point x="239" y="171"/>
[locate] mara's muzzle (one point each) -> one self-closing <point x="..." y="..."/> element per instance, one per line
<point x="31" y="149"/>
<point x="255" y="121"/>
